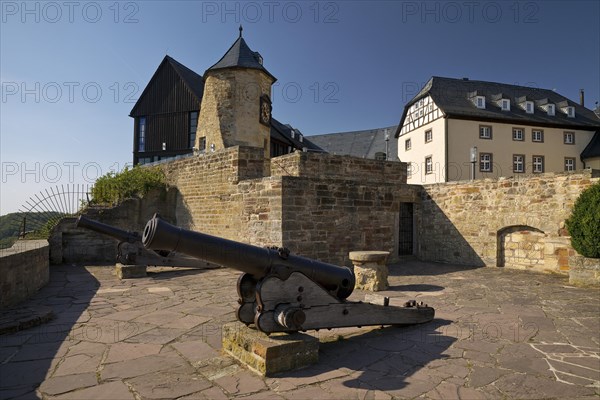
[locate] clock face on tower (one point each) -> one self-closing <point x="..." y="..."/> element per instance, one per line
<point x="265" y="111"/>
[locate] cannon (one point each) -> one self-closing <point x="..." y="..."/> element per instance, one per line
<point x="281" y="292"/>
<point x="130" y="249"/>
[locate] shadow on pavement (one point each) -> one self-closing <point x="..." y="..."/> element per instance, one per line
<point x="417" y="288"/>
<point x="26" y="357"/>
<point x="386" y="358"/>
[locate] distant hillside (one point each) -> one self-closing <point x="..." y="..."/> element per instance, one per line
<point x="12" y="224"/>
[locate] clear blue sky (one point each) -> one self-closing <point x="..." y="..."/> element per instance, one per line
<point x="71" y="71"/>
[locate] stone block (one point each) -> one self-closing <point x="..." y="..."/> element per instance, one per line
<point x="370" y="269"/>
<point x="269" y="355"/>
<point x="130" y="271"/>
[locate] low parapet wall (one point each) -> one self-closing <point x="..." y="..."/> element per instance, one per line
<point x="24" y="269"/>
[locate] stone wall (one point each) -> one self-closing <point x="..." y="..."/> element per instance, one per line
<point x="327" y="218"/>
<point x="329" y="166"/>
<point x="24" y="269"/>
<point x="319" y="205"/>
<point x="493" y="221"/>
<point x="69" y="244"/>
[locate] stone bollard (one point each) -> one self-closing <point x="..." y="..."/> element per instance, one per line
<point x="370" y="269"/>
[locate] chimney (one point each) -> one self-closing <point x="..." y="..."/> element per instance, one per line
<point x="581" y="98"/>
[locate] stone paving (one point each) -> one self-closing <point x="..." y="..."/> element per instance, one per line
<point x="497" y="334"/>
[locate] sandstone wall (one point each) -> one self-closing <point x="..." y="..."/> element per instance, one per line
<point x="494" y="222"/>
<point x="327" y="218"/>
<point x="24" y="269"/>
<point x="69" y="244"/>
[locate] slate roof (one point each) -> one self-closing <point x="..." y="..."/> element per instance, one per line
<point x="283" y="133"/>
<point x="363" y="144"/>
<point x="452" y="97"/>
<point x="593" y="147"/>
<point x="239" y="55"/>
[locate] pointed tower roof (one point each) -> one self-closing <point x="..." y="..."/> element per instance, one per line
<point x="239" y="55"/>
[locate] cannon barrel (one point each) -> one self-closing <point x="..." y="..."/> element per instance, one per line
<point x="253" y="260"/>
<point x="119" y="234"/>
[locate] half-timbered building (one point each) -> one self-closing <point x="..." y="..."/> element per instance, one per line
<point x="452" y="125"/>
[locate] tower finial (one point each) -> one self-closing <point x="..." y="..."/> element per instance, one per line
<point x="241" y="29"/>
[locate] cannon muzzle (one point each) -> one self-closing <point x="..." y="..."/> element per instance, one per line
<point x="119" y="234"/>
<point x="256" y="261"/>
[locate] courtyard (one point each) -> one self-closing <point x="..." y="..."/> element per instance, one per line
<point x="498" y="333"/>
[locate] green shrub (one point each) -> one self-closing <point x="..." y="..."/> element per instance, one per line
<point x="113" y="188"/>
<point x="584" y="222"/>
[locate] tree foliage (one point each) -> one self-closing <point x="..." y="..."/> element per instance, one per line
<point x="113" y="188"/>
<point x="584" y="222"/>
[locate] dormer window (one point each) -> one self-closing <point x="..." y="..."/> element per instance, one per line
<point x="570" y="111"/>
<point x="505" y="105"/>
<point x="480" y="101"/>
<point x="529" y="107"/>
<point x="550" y="110"/>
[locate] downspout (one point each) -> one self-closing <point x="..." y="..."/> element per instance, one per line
<point x="446" y="148"/>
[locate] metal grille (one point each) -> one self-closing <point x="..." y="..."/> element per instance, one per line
<point x="405" y="237"/>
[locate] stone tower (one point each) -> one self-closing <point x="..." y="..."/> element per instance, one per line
<point x="236" y="103"/>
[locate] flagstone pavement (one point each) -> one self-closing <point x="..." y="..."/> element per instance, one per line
<point x="497" y="334"/>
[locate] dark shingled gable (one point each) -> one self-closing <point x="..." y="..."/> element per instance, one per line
<point x="452" y="97"/>
<point x="239" y="55"/>
<point x="593" y="147"/>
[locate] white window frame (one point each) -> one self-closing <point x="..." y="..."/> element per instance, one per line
<point x="541" y="135"/>
<point x="488" y="130"/>
<point x="480" y="101"/>
<point x="519" y="165"/>
<point x="429" y="165"/>
<point x="567" y="135"/>
<point x="505" y="104"/>
<point x="570" y="164"/>
<point x="538" y="164"/>
<point x="428" y="135"/>
<point x="485" y="162"/>
<point x="407" y="144"/>
<point x="551" y="110"/>
<point x="570" y="110"/>
<point x="515" y="137"/>
<point x="529" y="107"/>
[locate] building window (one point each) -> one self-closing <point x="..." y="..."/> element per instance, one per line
<point x="538" y="164"/>
<point x="505" y="105"/>
<point x="202" y="144"/>
<point x="409" y="169"/>
<point x="551" y="109"/>
<point x="428" y="165"/>
<point x="142" y="134"/>
<point x="537" y="135"/>
<point x="569" y="137"/>
<point x="407" y="144"/>
<point x="569" y="164"/>
<point x="571" y="112"/>
<point x="485" y="132"/>
<point x="518" y="163"/>
<point x="193" y="126"/>
<point x="529" y="107"/>
<point x="518" y="134"/>
<point x="428" y="135"/>
<point x="144" y="160"/>
<point x="480" y="101"/>
<point x="485" y="162"/>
